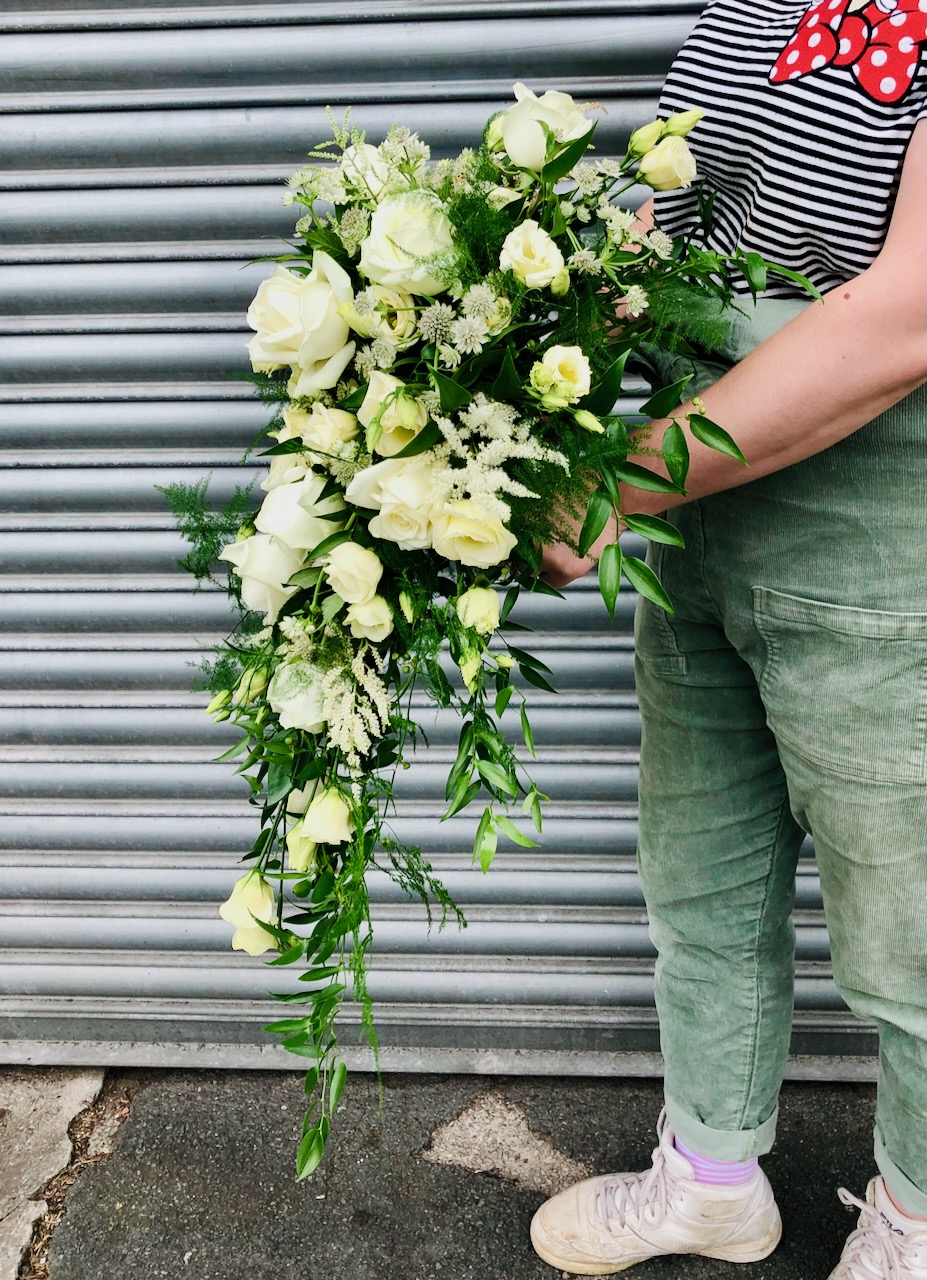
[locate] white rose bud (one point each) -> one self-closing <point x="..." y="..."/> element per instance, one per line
<point x="265" y="565"/>
<point x="468" y="532"/>
<point x="252" y="897"/>
<point x="645" y="138"/>
<point x="410" y="239"/>
<point x="669" y="165"/>
<point x="682" y="122"/>
<point x="322" y="429"/>
<point x="327" y="819"/>
<point x="372" y="620"/>
<point x="292" y="512"/>
<point x="295" y="693"/>
<point x="532" y="255"/>
<point x="354" y="572"/>
<point x="300" y="851"/>
<point x="478" y="608"/>
<point x="523" y="136"/>
<point x="401" y="415"/>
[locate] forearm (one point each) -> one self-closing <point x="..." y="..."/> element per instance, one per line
<point x="869" y="339"/>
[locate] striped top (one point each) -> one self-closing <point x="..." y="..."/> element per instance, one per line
<point x="808" y="110"/>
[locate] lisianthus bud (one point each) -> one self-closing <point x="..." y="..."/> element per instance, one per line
<point x="327" y="819"/>
<point x="222" y="699"/>
<point x="645" y="138"/>
<point x="588" y="421"/>
<point x="251" y="898"/>
<point x="505" y="661"/>
<point x="560" y="283"/>
<point x="470" y="663"/>
<point x="493" y="137"/>
<point x="681" y="123"/>
<point x="407" y="606"/>
<point x="300" y="851"/>
<point x="251" y="685"/>
<point x="478" y="608"/>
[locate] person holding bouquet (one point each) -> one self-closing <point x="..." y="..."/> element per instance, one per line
<point x="788" y="692"/>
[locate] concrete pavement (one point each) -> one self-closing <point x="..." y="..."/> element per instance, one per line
<point x="182" y="1173"/>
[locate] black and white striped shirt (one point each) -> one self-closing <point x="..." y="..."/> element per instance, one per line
<point x="809" y="107"/>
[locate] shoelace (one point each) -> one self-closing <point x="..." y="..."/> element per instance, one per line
<point x="874" y="1250"/>
<point x="637" y="1192"/>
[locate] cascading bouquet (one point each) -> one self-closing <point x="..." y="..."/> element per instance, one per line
<point x="442" y="355"/>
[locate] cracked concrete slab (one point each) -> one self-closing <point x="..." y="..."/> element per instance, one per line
<point x="36" y="1106"/>
<point x="494" y="1136"/>
<point x="202" y="1179"/>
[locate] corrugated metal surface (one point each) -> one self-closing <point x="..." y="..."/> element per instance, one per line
<point x="143" y="150"/>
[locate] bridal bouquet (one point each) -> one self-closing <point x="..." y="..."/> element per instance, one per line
<point x="443" y="357"/>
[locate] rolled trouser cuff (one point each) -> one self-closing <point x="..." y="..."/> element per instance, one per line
<point x="903" y="1191"/>
<point x="721" y="1144"/>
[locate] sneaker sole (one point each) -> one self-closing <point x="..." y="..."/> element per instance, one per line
<point x="754" y="1252"/>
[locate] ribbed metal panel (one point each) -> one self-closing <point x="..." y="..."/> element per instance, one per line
<point x="143" y="150"/>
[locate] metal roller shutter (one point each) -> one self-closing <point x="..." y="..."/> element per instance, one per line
<point x="143" y="150"/>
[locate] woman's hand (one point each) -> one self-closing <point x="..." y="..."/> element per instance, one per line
<point x="560" y="565"/>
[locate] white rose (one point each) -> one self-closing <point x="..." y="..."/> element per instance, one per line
<point x="401" y="416"/>
<point x="252" y="897"/>
<point x="372" y="620"/>
<point x="364" y="167"/>
<point x="366" y="488"/>
<point x="328" y="818"/>
<point x="297" y="323"/>
<point x="669" y="165"/>
<point x="522" y="135"/>
<point x="265" y="565"/>
<point x="405" y="499"/>
<point x="354" y="572"/>
<point x="467" y="532"/>
<point x="478" y="608"/>
<point x="284" y="468"/>
<point x="292" y="512"/>
<point x="410" y="237"/>
<point x="295" y="693"/>
<point x="394" y="319"/>
<point x="322" y="429"/>
<point x="532" y="255"/>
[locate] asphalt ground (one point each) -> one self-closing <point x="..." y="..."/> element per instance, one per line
<point x="439" y="1182"/>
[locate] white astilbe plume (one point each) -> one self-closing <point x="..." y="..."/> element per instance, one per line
<point x="471" y="461"/>
<point x="356" y="706"/>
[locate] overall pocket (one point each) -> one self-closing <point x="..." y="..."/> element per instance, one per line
<point x="846" y="688"/>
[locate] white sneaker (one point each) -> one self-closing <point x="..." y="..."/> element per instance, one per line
<point x="607" y="1224"/>
<point x="878" y="1249"/>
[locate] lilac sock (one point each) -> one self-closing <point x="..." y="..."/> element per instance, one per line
<point x="722" y="1173"/>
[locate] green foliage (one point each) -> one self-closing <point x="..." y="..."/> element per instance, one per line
<point x="207" y="530"/>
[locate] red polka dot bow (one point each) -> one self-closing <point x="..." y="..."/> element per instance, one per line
<point x="880" y="44"/>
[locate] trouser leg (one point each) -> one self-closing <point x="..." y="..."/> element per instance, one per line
<point x="717" y="858"/>
<point x="871" y="845"/>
